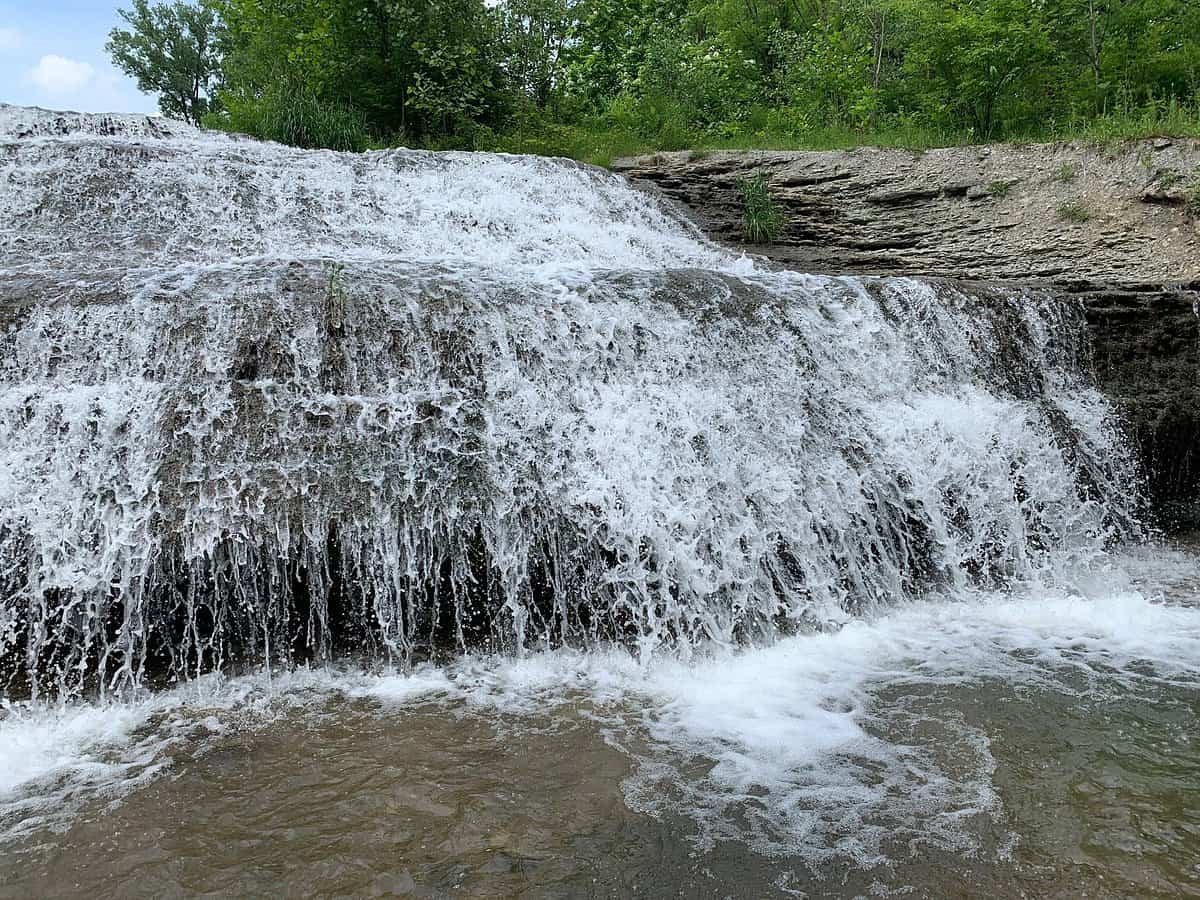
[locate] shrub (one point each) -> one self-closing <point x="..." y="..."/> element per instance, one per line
<point x="761" y="218"/>
<point x="1074" y="211"/>
<point x="673" y="135"/>
<point x="294" y="114"/>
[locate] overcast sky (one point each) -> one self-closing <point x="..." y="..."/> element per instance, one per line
<point x="52" y="55"/>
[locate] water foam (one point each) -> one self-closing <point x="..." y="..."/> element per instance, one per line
<point x="817" y="747"/>
<point x="103" y="199"/>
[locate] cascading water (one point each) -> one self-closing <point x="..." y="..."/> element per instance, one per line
<point x="259" y="403"/>
<point x="468" y="524"/>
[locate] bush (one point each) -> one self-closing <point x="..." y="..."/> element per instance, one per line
<point x="295" y="115"/>
<point x="1074" y="212"/>
<point x="761" y="218"/>
<point x="673" y="135"/>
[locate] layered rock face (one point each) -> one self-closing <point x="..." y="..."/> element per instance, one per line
<point x="1113" y="228"/>
<point x="1005" y="212"/>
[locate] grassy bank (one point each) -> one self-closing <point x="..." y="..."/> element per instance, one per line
<point x="599" y="142"/>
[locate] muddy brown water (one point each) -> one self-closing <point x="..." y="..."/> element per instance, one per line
<point x="341" y="800"/>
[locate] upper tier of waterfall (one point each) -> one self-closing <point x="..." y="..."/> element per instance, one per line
<point x="87" y="195"/>
<point x="258" y="402"/>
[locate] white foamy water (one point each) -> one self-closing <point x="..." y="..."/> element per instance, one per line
<point x="125" y="198"/>
<point x="308" y="411"/>
<point x="798" y="749"/>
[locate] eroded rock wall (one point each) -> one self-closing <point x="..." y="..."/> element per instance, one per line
<point x="1115" y="228"/>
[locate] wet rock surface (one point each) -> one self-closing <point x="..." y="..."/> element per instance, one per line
<point x="1146" y="357"/>
<point x="1110" y="227"/>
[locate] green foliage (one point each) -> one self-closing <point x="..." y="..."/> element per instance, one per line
<point x="596" y="79"/>
<point x="335" y="297"/>
<point x="1075" y="212"/>
<point x="535" y="37"/>
<point x="825" y="73"/>
<point x="594" y="141"/>
<point x="762" y="219"/>
<point x="999" y="189"/>
<point x="293" y="114"/>
<point x="170" y="50"/>
<point x="415" y="71"/>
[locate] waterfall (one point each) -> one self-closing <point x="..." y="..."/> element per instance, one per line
<point x="262" y="404"/>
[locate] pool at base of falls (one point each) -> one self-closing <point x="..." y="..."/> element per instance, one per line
<point x="1043" y="745"/>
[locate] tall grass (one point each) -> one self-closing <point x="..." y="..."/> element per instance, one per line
<point x="762" y="219"/>
<point x="293" y="114"/>
<point x="602" y="139"/>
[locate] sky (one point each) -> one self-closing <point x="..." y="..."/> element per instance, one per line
<point x="52" y="55"/>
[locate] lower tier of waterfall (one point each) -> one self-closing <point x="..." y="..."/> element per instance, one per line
<point x="1034" y="742"/>
<point x="281" y="461"/>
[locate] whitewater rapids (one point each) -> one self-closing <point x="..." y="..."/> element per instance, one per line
<point x="257" y="403"/>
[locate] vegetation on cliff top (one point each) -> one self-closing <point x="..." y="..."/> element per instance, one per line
<point x="593" y="79"/>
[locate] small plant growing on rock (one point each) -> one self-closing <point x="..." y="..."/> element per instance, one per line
<point x="1169" y="178"/>
<point x="761" y="217"/>
<point x="999" y="189"/>
<point x="1068" y="172"/>
<point x="335" y="298"/>
<point x="1074" y="211"/>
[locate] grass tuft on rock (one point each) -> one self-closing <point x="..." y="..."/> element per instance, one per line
<point x="762" y="220"/>
<point x="1067" y="172"/>
<point x="1075" y="212"/>
<point x="1191" y="198"/>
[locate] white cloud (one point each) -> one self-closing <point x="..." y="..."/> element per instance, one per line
<point x="10" y="39"/>
<point x="58" y="75"/>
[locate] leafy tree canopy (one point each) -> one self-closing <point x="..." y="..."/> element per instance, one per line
<point x="171" y="49"/>
<point x="543" y="75"/>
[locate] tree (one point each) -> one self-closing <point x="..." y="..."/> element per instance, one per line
<point x="987" y="63"/>
<point x="422" y="72"/>
<point x="533" y="35"/>
<point x="470" y="73"/>
<point x="171" y="49"/>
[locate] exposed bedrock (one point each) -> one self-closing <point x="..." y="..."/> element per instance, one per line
<point x="1114" y="228"/>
